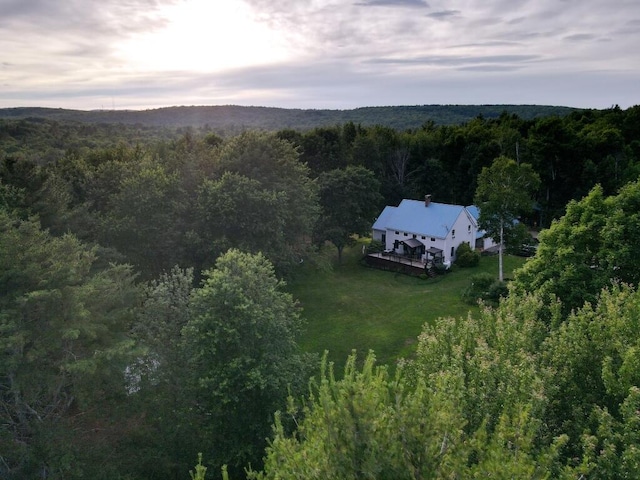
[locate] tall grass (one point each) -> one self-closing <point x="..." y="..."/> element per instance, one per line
<point x="358" y="307"/>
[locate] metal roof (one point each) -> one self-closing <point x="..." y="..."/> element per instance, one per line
<point x="413" y="216"/>
<point x="384" y="218"/>
<point x="474" y="211"/>
<point x="412" y="242"/>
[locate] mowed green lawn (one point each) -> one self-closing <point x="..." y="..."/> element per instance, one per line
<point x="361" y="308"/>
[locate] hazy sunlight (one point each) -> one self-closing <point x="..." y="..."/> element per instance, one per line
<point x="204" y="35"/>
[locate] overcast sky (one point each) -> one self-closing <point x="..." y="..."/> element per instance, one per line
<point x="342" y="54"/>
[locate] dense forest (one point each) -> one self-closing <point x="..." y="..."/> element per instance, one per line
<point x="235" y="118"/>
<point x="144" y="319"/>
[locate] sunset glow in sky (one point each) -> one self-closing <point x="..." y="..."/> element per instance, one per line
<point x="318" y="53"/>
<point x="205" y="36"/>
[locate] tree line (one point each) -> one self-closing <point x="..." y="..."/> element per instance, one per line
<point x="238" y="118"/>
<point x="570" y="153"/>
<point x="144" y="316"/>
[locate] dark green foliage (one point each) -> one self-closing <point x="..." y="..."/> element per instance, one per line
<point x="485" y="287"/>
<point x="45" y="135"/>
<point x="229" y="117"/>
<point x="349" y="201"/>
<point x="243" y="356"/>
<point x="375" y="246"/>
<point x="64" y="345"/>
<point x="441" y="268"/>
<point x="518" y="240"/>
<point x="137" y="215"/>
<point x="571" y="152"/>
<point x="207" y="367"/>
<point x="231" y="212"/>
<point x="271" y="168"/>
<point x="164" y="440"/>
<point x="594" y="243"/>
<point x="466" y="257"/>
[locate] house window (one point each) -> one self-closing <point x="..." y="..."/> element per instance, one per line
<point x="433" y="239"/>
<point x="452" y="252"/>
<point x="469" y="228"/>
<point x="397" y="233"/>
<point x="414" y="235"/>
<point x="406" y="234"/>
<point x="423" y="237"/>
<point x="453" y="233"/>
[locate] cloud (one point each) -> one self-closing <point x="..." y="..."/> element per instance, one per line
<point x="444" y="14"/>
<point x="456" y="60"/>
<point x="490" y="68"/>
<point x="579" y="37"/>
<point x="354" y="53"/>
<point x="71" y="42"/>
<point x="393" y="3"/>
<point x="336" y="84"/>
<point x="489" y="43"/>
<point x="108" y="17"/>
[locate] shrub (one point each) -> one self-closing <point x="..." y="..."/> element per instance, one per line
<point x="376" y="246"/>
<point x="485" y="287"/>
<point x="441" y="268"/>
<point x="497" y="290"/>
<point x="466" y="257"/>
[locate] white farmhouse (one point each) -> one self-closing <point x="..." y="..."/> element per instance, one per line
<point x="483" y="242"/>
<point x="426" y="230"/>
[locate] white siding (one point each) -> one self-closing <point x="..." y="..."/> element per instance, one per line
<point x="465" y="231"/>
<point x="414" y="215"/>
<point x="377" y="235"/>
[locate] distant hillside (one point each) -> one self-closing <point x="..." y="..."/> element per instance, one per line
<point x="237" y="117"/>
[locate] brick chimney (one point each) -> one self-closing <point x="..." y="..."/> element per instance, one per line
<point x="427" y="200"/>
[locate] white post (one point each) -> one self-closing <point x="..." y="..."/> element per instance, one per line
<point x="500" y="275"/>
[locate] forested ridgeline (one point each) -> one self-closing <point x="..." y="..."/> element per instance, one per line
<point x="143" y="317"/>
<point x="236" y="118"/>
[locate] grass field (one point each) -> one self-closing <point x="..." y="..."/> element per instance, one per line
<point x="361" y="308"/>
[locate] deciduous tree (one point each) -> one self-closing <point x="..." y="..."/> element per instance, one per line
<point x="165" y="439"/>
<point x="504" y="192"/>
<point x="350" y="200"/>
<point x="274" y="167"/>
<point x="592" y="362"/>
<point x="239" y="212"/>
<point x="241" y="342"/>
<point x="593" y="244"/>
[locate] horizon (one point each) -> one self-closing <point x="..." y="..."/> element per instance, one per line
<point x="19" y="107"/>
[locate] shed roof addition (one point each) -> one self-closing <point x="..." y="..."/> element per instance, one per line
<point x="412" y="242"/>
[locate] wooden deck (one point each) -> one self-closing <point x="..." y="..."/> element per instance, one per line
<point x="396" y="263"/>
